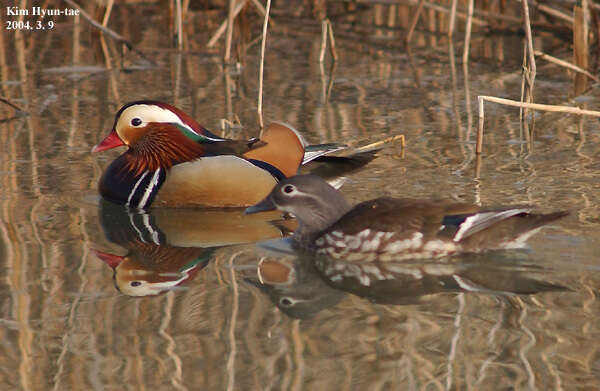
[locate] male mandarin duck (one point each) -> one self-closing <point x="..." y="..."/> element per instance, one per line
<point x="173" y="161"/>
<point x="387" y="229"/>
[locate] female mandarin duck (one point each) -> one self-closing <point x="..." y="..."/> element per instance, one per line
<point x="173" y="161"/>
<point x="387" y="229"/>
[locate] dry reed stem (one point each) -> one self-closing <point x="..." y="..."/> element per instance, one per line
<point x="108" y="31"/>
<point x="530" y="56"/>
<point x="323" y="40"/>
<point x="327" y="34"/>
<point x="452" y="18"/>
<point x="223" y="26"/>
<point x="229" y="21"/>
<point x="385" y="141"/>
<point x="445" y="10"/>
<point x="262" y="64"/>
<point x="107" y="13"/>
<point x="533" y="106"/>
<point x="9" y="103"/>
<point x="529" y="67"/>
<point x="230" y="18"/>
<point x="565" y="64"/>
<point x="331" y="41"/>
<point x="554" y="12"/>
<point x="581" y="16"/>
<point x="261" y="9"/>
<point x="414" y="21"/>
<point x="468" y="26"/>
<point x="179" y="24"/>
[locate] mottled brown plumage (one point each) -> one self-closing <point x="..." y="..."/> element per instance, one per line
<point x="386" y="229"/>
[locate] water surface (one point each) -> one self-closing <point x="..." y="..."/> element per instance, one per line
<point x="221" y="312"/>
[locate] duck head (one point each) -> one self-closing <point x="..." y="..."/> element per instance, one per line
<point x="157" y="133"/>
<point x="135" y="119"/>
<point x="315" y="204"/>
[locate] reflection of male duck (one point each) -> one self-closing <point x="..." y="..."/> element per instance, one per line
<point x="150" y="269"/>
<point x="166" y="248"/>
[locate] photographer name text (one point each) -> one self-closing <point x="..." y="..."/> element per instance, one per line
<point x="39" y="11"/>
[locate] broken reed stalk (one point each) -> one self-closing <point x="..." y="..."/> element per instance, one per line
<point x="532" y="106"/>
<point x="564" y="64"/>
<point x="383" y="142"/>
<point x="262" y="64"/>
<point x="108" y="31"/>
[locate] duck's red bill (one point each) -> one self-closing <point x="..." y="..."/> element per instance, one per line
<point x="111" y="260"/>
<point x="111" y="141"/>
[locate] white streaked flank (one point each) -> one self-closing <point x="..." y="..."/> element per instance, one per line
<point x="137" y="184"/>
<point x="149" y="189"/>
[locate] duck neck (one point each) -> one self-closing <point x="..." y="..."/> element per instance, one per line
<point x="312" y="225"/>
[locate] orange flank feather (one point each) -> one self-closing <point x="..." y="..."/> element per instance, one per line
<point x="284" y="149"/>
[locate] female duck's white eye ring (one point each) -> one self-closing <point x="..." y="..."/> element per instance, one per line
<point x="136" y="121"/>
<point x="288" y="189"/>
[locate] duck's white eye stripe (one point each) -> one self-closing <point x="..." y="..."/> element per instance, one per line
<point x="170" y="116"/>
<point x="188" y="127"/>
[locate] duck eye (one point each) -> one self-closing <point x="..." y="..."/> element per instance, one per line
<point x="286" y="302"/>
<point x="288" y="189"/>
<point x="135" y="283"/>
<point x="136" y="121"/>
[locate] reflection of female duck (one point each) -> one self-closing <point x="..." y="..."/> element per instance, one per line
<point x="166" y="248"/>
<point x="304" y="285"/>
<point x="294" y="286"/>
<point x="404" y="283"/>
